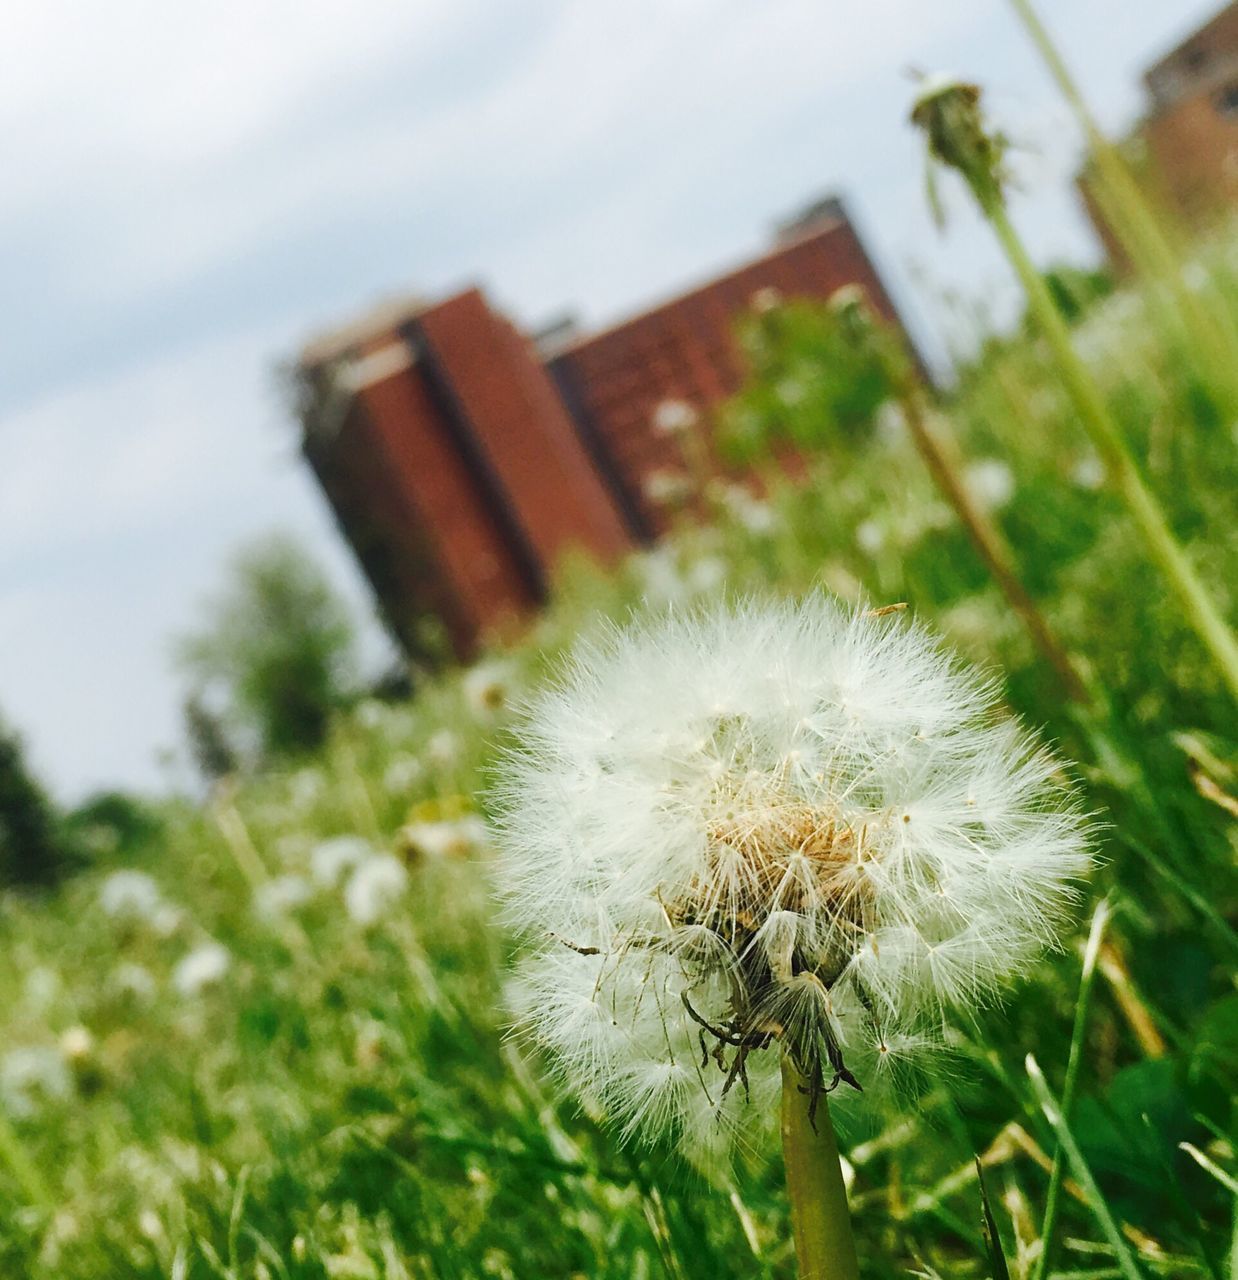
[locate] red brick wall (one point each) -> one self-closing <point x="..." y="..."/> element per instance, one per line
<point x="686" y="349"/>
<point x="518" y="421"/>
<point x="425" y="531"/>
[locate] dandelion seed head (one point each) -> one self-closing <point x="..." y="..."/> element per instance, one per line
<point x="760" y="825"/>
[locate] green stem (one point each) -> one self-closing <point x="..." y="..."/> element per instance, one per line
<point x="1210" y="339"/>
<point x="824" y="1245"/>
<point x="1053" y="1197"/>
<point x="1197" y="605"/>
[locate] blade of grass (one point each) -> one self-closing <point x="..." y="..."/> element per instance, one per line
<point x="997" y="1257"/>
<point x="1083" y="1174"/>
<point x="1091" y="952"/>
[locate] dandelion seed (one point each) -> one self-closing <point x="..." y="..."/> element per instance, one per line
<point x="750" y="826"/>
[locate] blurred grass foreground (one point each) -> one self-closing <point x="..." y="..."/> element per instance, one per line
<point x="264" y="1035"/>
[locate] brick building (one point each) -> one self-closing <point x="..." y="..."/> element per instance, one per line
<point x="462" y="459"/>
<point x="1186" y="146"/>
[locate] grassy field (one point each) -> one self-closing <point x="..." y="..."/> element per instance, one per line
<point x="279" y="1049"/>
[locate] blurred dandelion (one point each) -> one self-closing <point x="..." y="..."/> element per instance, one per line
<point x="201" y="968"/>
<point x="487" y="688"/>
<point x="446" y="838"/>
<point x="374" y="887"/>
<point x="130" y="895"/>
<point x="283" y="894"/>
<point x="990" y="482"/>
<point x="330" y="859"/>
<point x="674" y="418"/>
<point x="791" y="825"/>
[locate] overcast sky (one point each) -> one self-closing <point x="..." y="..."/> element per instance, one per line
<point x="191" y="190"/>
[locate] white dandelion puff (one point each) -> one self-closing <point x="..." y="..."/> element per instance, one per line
<point x="990" y="482"/>
<point x="32" y="1076"/>
<point x="403" y="774"/>
<point x="674" y="417"/>
<point x="130" y="895"/>
<point x="331" y="859"/>
<point x="752" y="825"/>
<point x="200" y="968"/>
<point x="447" y="838"/>
<point x="374" y="887"/>
<point x="281" y="896"/>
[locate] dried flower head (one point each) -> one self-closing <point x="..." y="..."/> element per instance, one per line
<point x="756" y="825"/>
<point x="948" y="110"/>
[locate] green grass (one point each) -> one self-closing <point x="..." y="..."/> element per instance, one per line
<point x="345" y="1102"/>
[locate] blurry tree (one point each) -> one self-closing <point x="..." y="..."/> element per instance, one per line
<point x="108" y="821"/>
<point x="33" y="853"/>
<point x="278" y="649"/>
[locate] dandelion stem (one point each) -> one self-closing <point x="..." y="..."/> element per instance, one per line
<point x="820" y="1219"/>
<point x="1208" y="338"/>
<point x="938" y="453"/>
<point x="1197" y="604"/>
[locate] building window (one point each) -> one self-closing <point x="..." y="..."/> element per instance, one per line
<point x="1227" y="102"/>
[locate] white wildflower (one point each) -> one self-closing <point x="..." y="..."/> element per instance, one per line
<point x="374" y="887"/>
<point x="283" y="894"/>
<point x="990" y="482"/>
<point x="751" y="824"/>
<point x="200" y="968"/>
<point x="674" y="417"/>
<point x="330" y="859"/>
<point x="765" y="300"/>
<point x="449" y="838"/>
<point x="130" y="895"/>
<point x="487" y="688"/>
